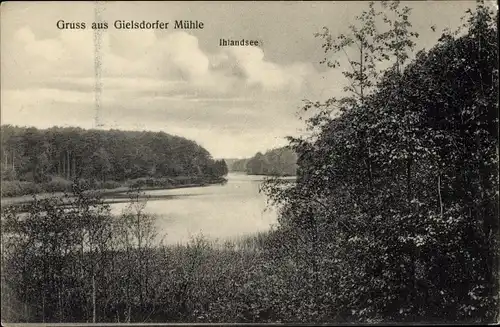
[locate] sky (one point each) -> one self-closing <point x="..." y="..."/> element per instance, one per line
<point x="234" y="101"/>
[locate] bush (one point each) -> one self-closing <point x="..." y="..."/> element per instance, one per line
<point x="109" y="185"/>
<point x="10" y="188"/>
<point x="8" y="174"/>
<point x="169" y="182"/>
<point x="18" y="188"/>
<point x="58" y="184"/>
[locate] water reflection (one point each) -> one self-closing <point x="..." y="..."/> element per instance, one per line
<point x="219" y="211"/>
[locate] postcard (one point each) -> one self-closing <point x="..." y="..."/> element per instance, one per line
<point x="237" y="162"/>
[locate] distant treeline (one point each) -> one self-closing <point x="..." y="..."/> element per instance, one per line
<point x="40" y="155"/>
<point x="78" y="262"/>
<point x="393" y="216"/>
<point x="278" y="162"/>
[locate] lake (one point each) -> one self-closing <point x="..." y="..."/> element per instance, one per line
<point x="218" y="211"/>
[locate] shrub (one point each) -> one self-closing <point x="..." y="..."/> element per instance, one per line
<point x="110" y="185"/>
<point x="58" y="184"/>
<point x="8" y="174"/>
<point x="19" y="188"/>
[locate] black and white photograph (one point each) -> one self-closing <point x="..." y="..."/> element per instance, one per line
<point x="265" y="162"/>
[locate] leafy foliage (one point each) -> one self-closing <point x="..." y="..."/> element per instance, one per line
<point x="398" y="191"/>
<point x="45" y="157"/>
<point x="275" y="162"/>
<point x="393" y="216"/>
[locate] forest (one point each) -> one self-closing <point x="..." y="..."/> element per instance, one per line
<point x="275" y="162"/>
<point x="393" y="217"/>
<point x="35" y="160"/>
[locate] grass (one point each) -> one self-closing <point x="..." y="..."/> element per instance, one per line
<point x="14" y="192"/>
<point x="198" y="281"/>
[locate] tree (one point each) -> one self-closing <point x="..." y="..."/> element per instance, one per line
<point x="53" y="252"/>
<point x="74" y="153"/>
<point x="102" y="164"/>
<point x="393" y="187"/>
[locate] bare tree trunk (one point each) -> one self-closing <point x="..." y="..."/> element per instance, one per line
<point x="60" y="304"/>
<point x="25" y="310"/>
<point x="74" y="166"/>
<point x="439" y="194"/>
<point x="43" y="305"/>
<point x="63" y="164"/>
<point x="129" y="277"/>
<point x="361" y="70"/>
<point x="93" y="298"/>
<point x="140" y="262"/>
<point x="68" y="171"/>
<point x="316" y="287"/>
<point x="409" y="161"/>
<point x="408" y="180"/>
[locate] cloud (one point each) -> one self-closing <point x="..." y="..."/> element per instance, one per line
<point x="233" y="101"/>
<point x="184" y="53"/>
<point x="257" y="71"/>
<point x="229" y="99"/>
<point x="134" y="54"/>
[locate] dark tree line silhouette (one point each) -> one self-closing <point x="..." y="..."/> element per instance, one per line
<point x="275" y="162"/>
<point x="395" y="209"/>
<point x="34" y="155"/>
<point x="393" y="216"/>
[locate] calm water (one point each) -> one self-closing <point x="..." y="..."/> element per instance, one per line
<point x="219" y="211"/>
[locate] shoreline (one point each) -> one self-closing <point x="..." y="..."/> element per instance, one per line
<point x="265" y="175"/>
<point x="106" y="193"/>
